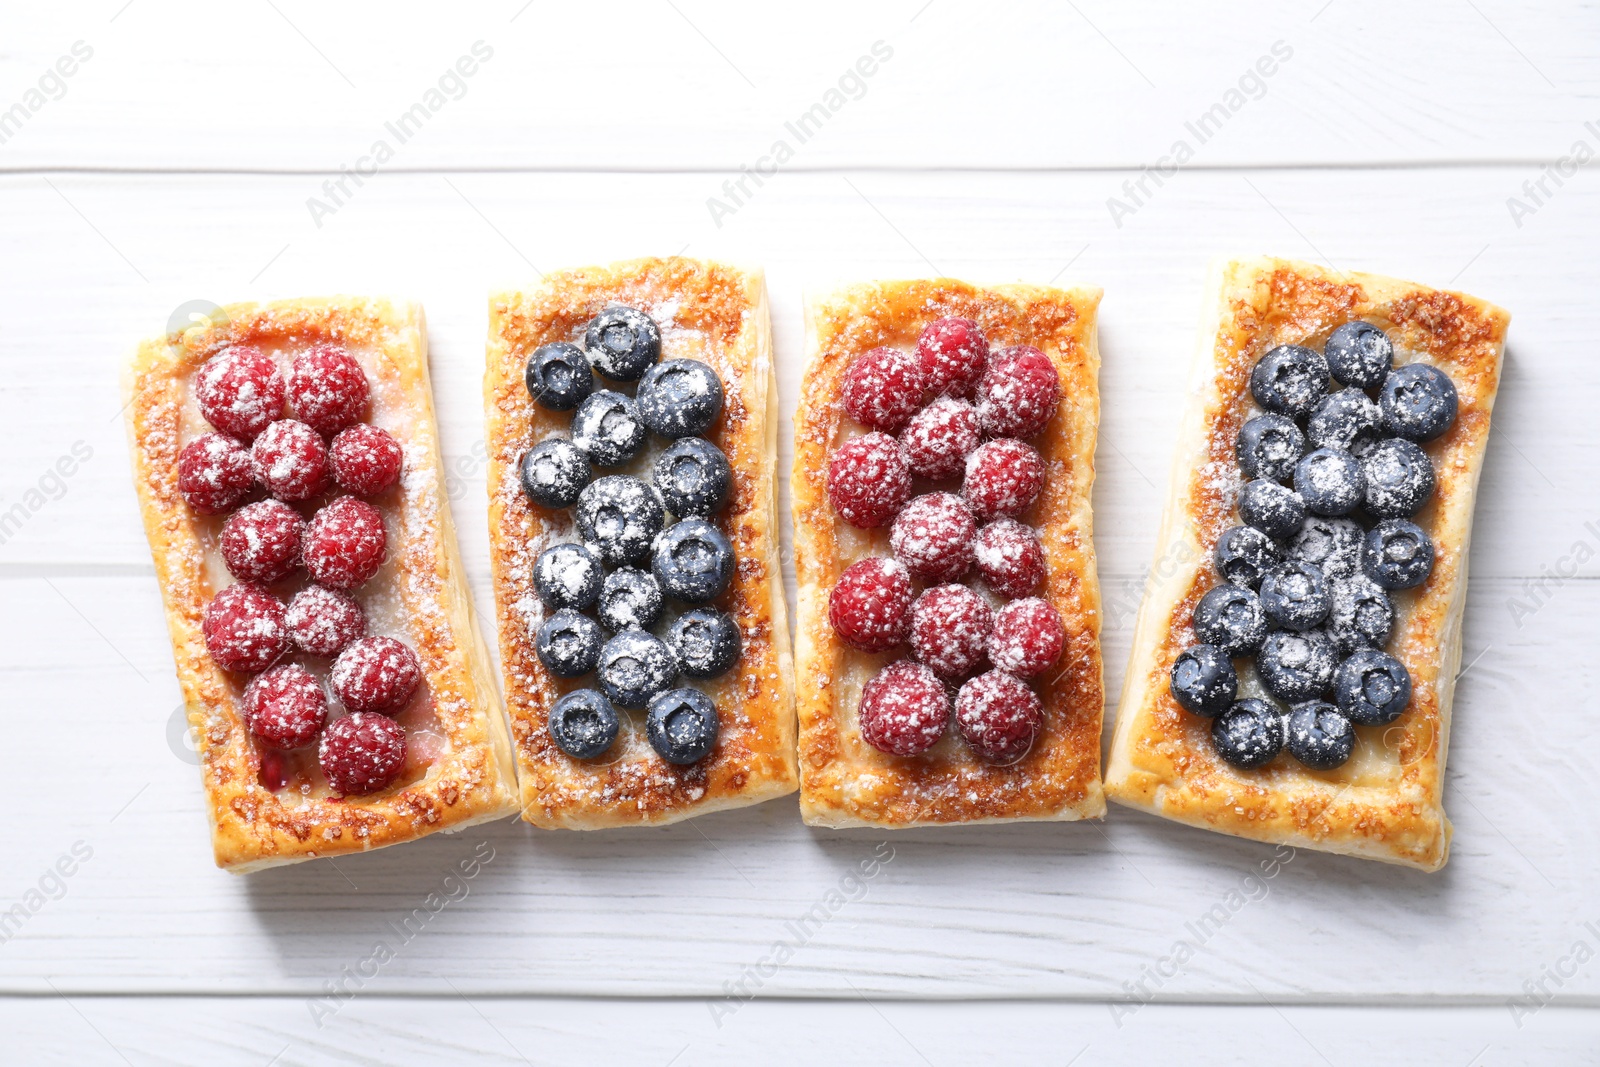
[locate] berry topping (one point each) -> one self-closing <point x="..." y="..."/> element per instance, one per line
<point x="362" y="753"/>
<point x="1028" y="637"/>
<point x="953" y="353"/>
<point x="261" y="541"/>
<point x="559" y="376"/>
<point x="1372" y="688"/>
<point x="327" y="389"/>
<point x="622" y="343"/>
<point x="883" y="387"/>
<point x="273" y="771"/>
<point x="1269" y="446"/>
<point x="290" y="460"/>
<point x="322" y="622"/>
<point x="376" y="674"/>
<point x="1399" y="478"/>
<point x="682" y="725"/>
<point x="1244" y="554"/>
<point x="1297" y="666"/>
<point x="1344" y="420"/>
<point x="999" y="716"/>
<point x="239" y="391"/>
<point x="933" y="537"/>
<point x="693" y="561"/>
<point x="938" y="438"/>
<point x="1360" y="613"/>
<point x="365" y="460"/>
<point x="904" y="709"/>
<point x="1294" y="596"/>
<point x="679" y="398"/>
<point x="620" y="516"/>
<point x="870" y="608"/>
<point x="705" y="642"/>
<point x="1230" y="617"/>
<point x="1397" y="554"/>
<point x="1004" y="477"/>
<point x="553" y="473"/>
<point x="868" y="480"/>
<point x="1332" y="545"/>
<point x="634" y="667"/>
<point x="1319" y="735"/>
<point x="1249" y="734"/>
<point x="345" y="543"/>
<point x="285" y="707"/>
<point x="630" y="599"/>
<point x="1329" y="481"/>
<point x="1274" y="509"/>
<point x="1417" y="401"/>
<point x="215" y="473"/>
<point x="583" y="724"/>
<point x="243" y="628"/>
<point x="569" y="644"/>
<point x="693" y="477"/>
<point x="568" y="575"/>
<point x="607" y="428"/>
<point x="1359" y="354"/>
<point x="1203" y="680"/>
<point x="1010" y="558"/>
<point x="950" y="628"/>
<point x="1289" y="380"/>
<point x="1018" y="393"/>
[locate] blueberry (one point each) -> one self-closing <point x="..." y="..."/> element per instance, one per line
<point x="1418" y="401"/>
<point x="680" y="398"/>
<point x="1268" y="447"/>
<point x="706" y="642"/>
<point x="583" y="724"/>
<point x="1333" y="545"/>
<point x="622" y="343"/>
<point x="1343" y="420"/>
<point x="1319" y="735"/>
<point x="1360" y="614"/>
<point x="1289" y="380"/>
<point x="1204" y="681"/>
<point x="1372" y="688"/>
<point x="607" y="429"/>
<point x="693" y="561"/>
<point x="635" y="666"/>
<point x="630" y="600"/>
<point x="1244" y="554"/>
<point x="569" y="644"/>
<point x="559" y="376"/>
<point x="1297" y="666"/>
<point x="1294" y="596"/>
<point x="1330" y="481"/>
<point x="1275" y="510"/>
<point x="1397" y="554"/>
<point x="1359" y="354"/>
<point x="568" y="575"/>
<point x="1230" y="617"/>
<point x="682" y="725"/>
<point x="553" y="473"/>
<point x="693" y="477"/>
<point x="1399" y="478"/>
<point x="620" y="515"/>
<point x="1249" y="734"/>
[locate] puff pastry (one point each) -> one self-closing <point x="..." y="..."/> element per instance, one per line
<point x="459" y="771"/>
<point x="705" y="311"/>
<point x="845" y="781"/>
<point x="1385" y="802"/>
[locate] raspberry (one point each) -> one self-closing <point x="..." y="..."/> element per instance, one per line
<point x="999" y="716"/>
<point x="953" y="352"/>
<point x="933" y="537"/>
<point x="243" y="627"/>
<point x="362" y="753"/>
<point x="285" y="707"/>
<point x="290" y="460"/>
<point x="344" y="544"/>
<point x="365" y="460"/>
<point x="937" y="439"/>
<point x="239" y="391"/>
<point x="327" y="388"/>
<point x="321" y="622"/>
<point x="868" y="480"/>
<point x="883" y="387"/>
<point x="950" y="629"/>
<point x="1027" y="638"/>
<point x="376" y="674"/>
<point x="215" y="473"/>
<point x="1003" y="478"/>
<point x="261" y="541"/>
<point x="1019" y="392"/>
<point x="870" y="608"/>
<point x="904" y="709"/>
<point x="1010" y="558"/>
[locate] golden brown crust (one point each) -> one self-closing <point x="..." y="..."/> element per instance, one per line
<point x="1385" y="803"/>
<point x="844" y="781"/>
<point x="470" y="781"/>
<point x="706" y="311"/>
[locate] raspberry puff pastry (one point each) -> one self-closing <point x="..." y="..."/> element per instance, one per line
<point x="1324" y="599"/>
<point x="948" y="654"/>
<point x="631" y="432"/>
<point x="288" y="470"/>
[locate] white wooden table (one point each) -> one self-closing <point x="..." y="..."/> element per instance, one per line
<point x="178" y="162"/>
